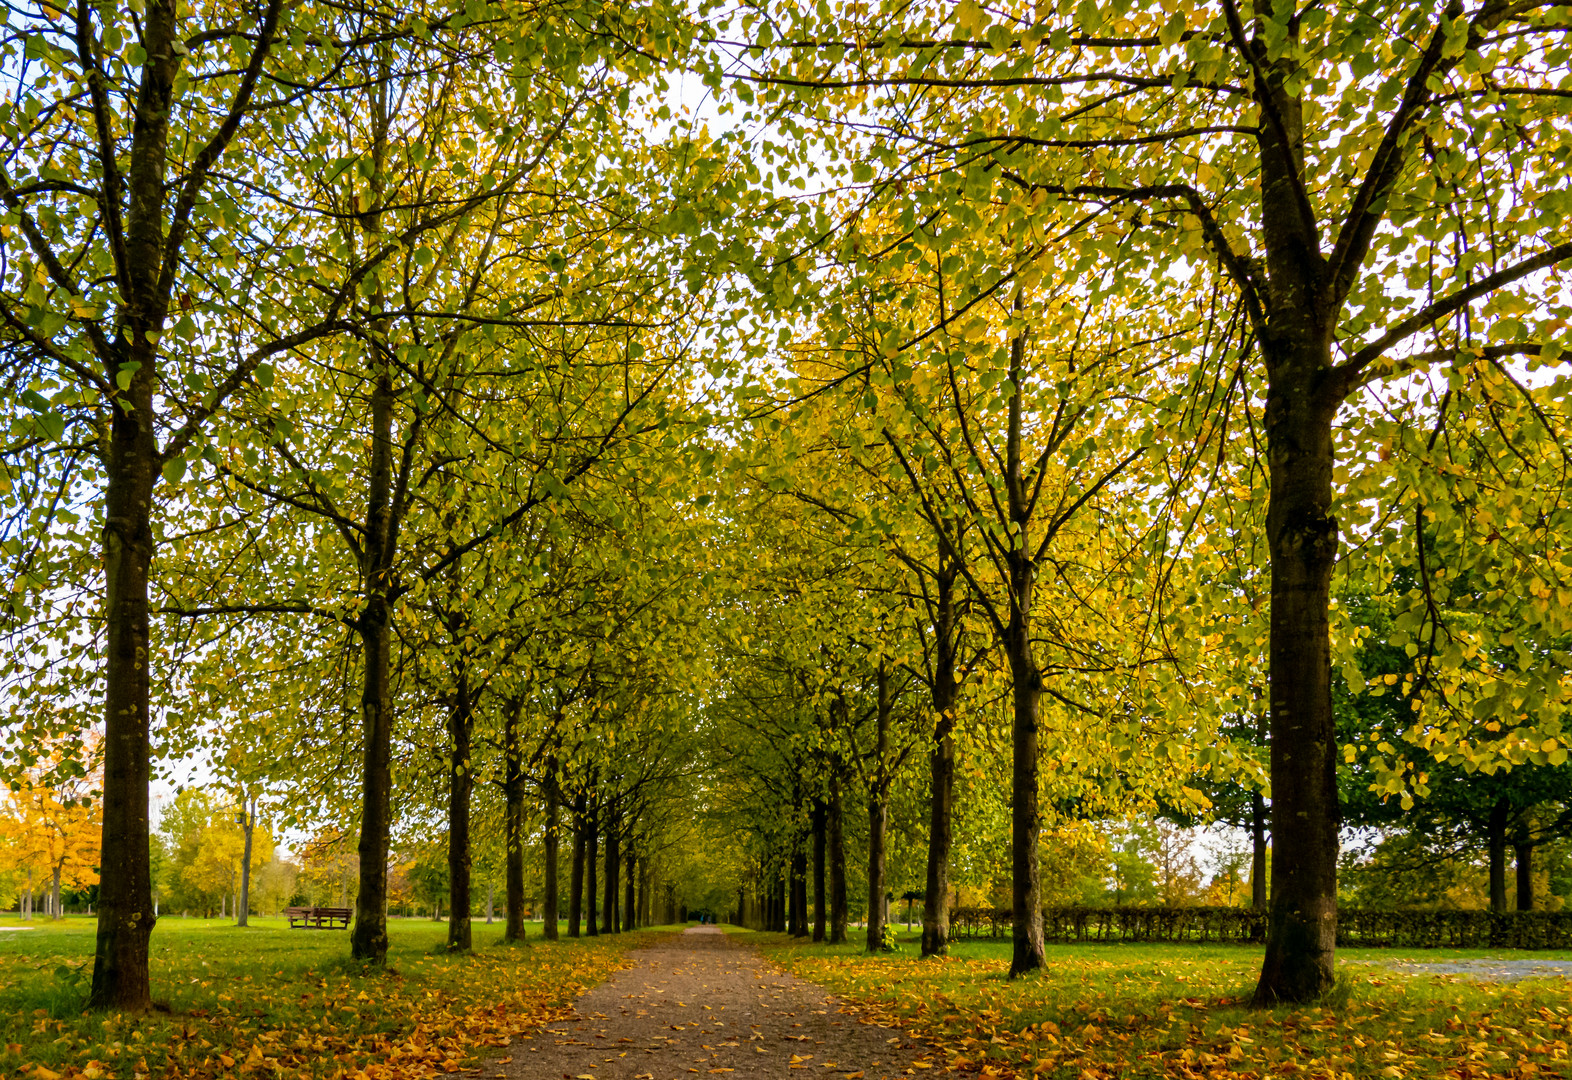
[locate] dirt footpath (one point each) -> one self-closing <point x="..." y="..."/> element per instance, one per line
<point x="700" y="1003"/>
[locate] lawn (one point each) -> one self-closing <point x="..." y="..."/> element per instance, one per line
<point x="1130" y="1011"/>
<point x="282" y="1003"/>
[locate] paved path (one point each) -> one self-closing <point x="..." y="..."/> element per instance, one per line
<point x="700" y="1003"/>
<point x="1490" y="970"/>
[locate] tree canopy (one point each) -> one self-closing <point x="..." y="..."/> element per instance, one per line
<point x="670" y="446"/>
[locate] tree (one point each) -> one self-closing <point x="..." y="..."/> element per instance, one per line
<point x="55" y="828"/>
<point x="1395" y="167"/>
<point x="127" y="249"/>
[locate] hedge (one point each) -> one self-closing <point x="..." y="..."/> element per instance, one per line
<point x="1355" y="926"/>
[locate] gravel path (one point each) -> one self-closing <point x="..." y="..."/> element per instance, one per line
<point x="700" y="1003"/>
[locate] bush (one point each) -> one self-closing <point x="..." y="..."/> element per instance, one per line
<point x="1355" y="926"/>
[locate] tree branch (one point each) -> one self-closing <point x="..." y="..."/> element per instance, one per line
<point x="1348" y="373"/>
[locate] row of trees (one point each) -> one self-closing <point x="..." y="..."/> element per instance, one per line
<point x="365" y="422"/>
<point x="405" y="402"/>
<point x="1170" y="315"/>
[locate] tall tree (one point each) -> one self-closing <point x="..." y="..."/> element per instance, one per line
<point x="1348" y="219"/>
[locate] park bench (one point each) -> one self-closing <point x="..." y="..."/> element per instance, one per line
<point x="317" y="918"/>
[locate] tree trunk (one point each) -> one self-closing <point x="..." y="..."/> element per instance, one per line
<point x="819" y="898"/>
<point x="1302" y="402"/>
<point x="576" y="873"/>
<point x="630" y="866"/>
<point x="878" y="822"/>
<point x="1524" y="856"/>
<point x="131" y="469"/>
<point x="513" y="822"/>
<point x="799" y="889"/>
<point x="608" y="916"/>
<point x="941" y="765"/>
<point x="1257" y="851"/>
<point x="835" y="827"/>
<point x="1301" y="935"/>
<point x="1025" y="822"/>
<point x="54" y="896"/>
<point x="549" y="842"/>
<point x="125" y="911"/>
<point x="243" y="906"/>
<point x="369" y="939"/>
<point x="461" y="784"/>
<point x="591" y="857"/>
<point x="1026" y="685"/>
<point x="1496" y="838"/>
<point x="643" y="916"/>
<point x="879" y="819"/>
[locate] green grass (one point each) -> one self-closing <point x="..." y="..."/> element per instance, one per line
<point x="288" y="999"/>
<point x="1161" y="1010"/>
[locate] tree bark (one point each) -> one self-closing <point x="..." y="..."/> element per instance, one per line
<point x="125" y="912"/>
<point x="550" y="843"/>
<point x="836" y="838"/>
<point x="1496" y="838"/>
<point x="243" y="906"/>
<point x="1026" y="685"/>
<point x="513" y="821"/>
<point x="878" y="822"/>
<point x="131" y="469"/>
<point x="799" y="889"/>
<point x="1257" y="851"/>
<point x="879" y="817"/>
<point x="369" y="939"/>
<point x="630" y="866"/>
<point x="591" y="858"/>
<point x="643" y="917"/>
<point x="1302" y="539"/>
<point x="576" y="874"/>
<point x="461" y="784"/>
<point x="820" y="899"/>
<point x="609" y="923"/>
<point x="941" y="764"/>
<point x="1523" y="854"/>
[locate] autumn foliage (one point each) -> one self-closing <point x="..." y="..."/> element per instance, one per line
<point x="50" y="827"/>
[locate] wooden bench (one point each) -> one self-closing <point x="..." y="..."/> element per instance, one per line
<point x="317" y="918"/>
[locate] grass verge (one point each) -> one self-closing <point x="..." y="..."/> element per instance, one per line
<point x="269" y="1002"/>
<point x="1134" y="1011"/>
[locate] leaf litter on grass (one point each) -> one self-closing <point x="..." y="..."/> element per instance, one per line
<point x="428" y="1014"/>
<point x="1106" y="1012"/>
